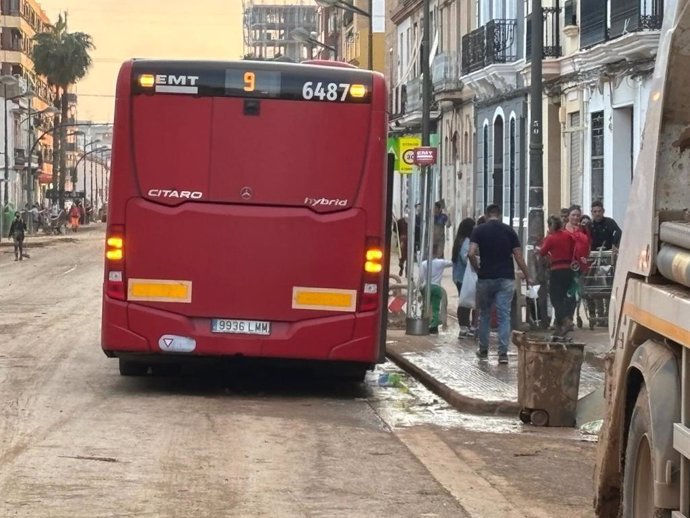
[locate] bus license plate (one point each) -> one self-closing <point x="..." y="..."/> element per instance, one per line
<point x="246" y="327"/>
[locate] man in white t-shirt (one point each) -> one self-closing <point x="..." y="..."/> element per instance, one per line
<point x="438" y="265"/>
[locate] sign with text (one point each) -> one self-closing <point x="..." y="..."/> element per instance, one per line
<point x="406" y="153"/>
<point x="425" y="155"/>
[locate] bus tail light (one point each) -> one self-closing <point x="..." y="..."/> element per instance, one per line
<point x="115" y="263"/>
<point x="373" y="268"/>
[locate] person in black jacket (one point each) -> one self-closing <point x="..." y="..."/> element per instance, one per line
<point x="606" y="234"/>
<point x="17" y="231"/>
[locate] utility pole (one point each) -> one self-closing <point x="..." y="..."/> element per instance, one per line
<point x="427" y="171"/>
<point x="417" y="326"/>
<point x="535" y="221"/>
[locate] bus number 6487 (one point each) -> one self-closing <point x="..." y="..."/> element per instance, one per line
<point x="325" y="91"/>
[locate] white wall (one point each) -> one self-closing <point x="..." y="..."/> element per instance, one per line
<point x="618" y="102"/>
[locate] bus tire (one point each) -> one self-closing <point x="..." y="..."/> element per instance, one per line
<point x="638" y="476"/>
<point x="132" y="368"/>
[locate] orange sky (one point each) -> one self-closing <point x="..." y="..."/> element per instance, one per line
<point x="192" y="29"/>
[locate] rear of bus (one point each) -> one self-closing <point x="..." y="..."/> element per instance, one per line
<point x="246" y="214"/>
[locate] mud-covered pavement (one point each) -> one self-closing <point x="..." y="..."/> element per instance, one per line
<point x="76" y="439"/>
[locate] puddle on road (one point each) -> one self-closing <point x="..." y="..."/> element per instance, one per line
<point x="412" y="404"/>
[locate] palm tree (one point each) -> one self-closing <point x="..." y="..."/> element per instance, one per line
<point x="63" y="58"/>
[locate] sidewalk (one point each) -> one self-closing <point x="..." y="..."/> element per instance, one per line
<point x="41" y="240"/>
<point x="449" y="367"/>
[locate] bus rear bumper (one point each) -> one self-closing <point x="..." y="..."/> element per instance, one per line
<point x="134" y="329"/>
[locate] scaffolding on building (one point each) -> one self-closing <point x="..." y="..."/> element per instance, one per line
<point x="269" y="24"/>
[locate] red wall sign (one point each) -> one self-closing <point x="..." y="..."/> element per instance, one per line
<point x="425" y="155"/>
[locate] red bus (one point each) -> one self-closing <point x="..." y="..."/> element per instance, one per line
<point x="247" y="214"/>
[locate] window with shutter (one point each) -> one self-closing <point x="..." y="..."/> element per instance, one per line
<point x="594" y="25"/>
<point x="574" y="160"/>
<point x="597" y="156"/>
<point x="625" y="17"/>
<point x="570" y="12"/>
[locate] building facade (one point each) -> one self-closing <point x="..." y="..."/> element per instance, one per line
<point x="26" y="105"/>
<point x="269" y="27"/>
<point x="603" y="92"/>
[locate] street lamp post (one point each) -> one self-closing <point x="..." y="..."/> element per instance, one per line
<point x="347" y="6"/>
<point x="86" y="145"/>
<point x="302" y="35"/>
<point x="428" y="171"/>
<point x="30" y="177"/>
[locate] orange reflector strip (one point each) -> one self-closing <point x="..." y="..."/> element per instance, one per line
<point x="147" y="80"/>
<point x="324" y="299"/>
<point x="159" y="290"/>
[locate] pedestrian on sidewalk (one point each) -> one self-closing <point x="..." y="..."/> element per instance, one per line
<point x="74" y="216"/>
<point x="438" y="265"/>
<point x="559" y="247"/>
<point x="17" y="231"/>
<point x="498" y="245"/>
<point x="461" y="249"/>
<point x="401" y="232"/>
<point x="441" y="222"/>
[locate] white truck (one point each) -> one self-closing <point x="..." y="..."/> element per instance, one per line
<point x="643" y="466"/>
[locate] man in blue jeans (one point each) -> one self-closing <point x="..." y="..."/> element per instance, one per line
<point x="493" y="246"/>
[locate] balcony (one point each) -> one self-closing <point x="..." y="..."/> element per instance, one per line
<point x="17" y="45"/>
<point x="445" y="74"/>
<point x="490" y="64"/>
<point x="19" y="157"/>
<point x="495" y="42"/>
<point x="633" y="33"/>
<point x="551" y="31"/>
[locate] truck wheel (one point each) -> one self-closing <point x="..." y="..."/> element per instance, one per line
<point x="638" y="477"/>
<point x="131" y="368"/>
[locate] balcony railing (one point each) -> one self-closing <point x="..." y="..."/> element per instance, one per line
<point x="627" y="16"/>
<point x="492" y="43"/>
<point x="19" y="156"/>
<point x="445" y="73"/>
<point x="17" y="45"/>
<point x="551" y="32"/>
<point x="638" y="15"/>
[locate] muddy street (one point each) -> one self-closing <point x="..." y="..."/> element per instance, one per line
<point x="77" y="439"/>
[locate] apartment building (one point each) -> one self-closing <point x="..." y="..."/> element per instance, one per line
<point x="269" y="27"/>
<point x="30" y="97"/>
<point x="603" y="92"/>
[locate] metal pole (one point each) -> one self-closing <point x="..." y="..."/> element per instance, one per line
<point x="536" y="148"/>
<point x="84" y="172"/>
<point x="7" y="173"/>
<point x="427" y="171"/>
<point x="90" y="182"/>
<point x="370" y="45"/>
<point x="94" y="204"/>
<point x="29" y="175"/>
<point x="5" y="196"/>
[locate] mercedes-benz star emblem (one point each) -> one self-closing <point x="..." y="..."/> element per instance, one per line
<point x="246" y="193"/>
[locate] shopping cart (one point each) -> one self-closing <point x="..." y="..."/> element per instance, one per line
<point x="596" y="283"/>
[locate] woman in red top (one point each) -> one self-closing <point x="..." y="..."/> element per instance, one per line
<point x="559" y="246"/>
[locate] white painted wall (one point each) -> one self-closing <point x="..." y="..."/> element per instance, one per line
<point x="618" y="101"/>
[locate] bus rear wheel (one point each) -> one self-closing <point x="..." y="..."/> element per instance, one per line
<point x="132" y="368"/>
<point x="638" y="478"/>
